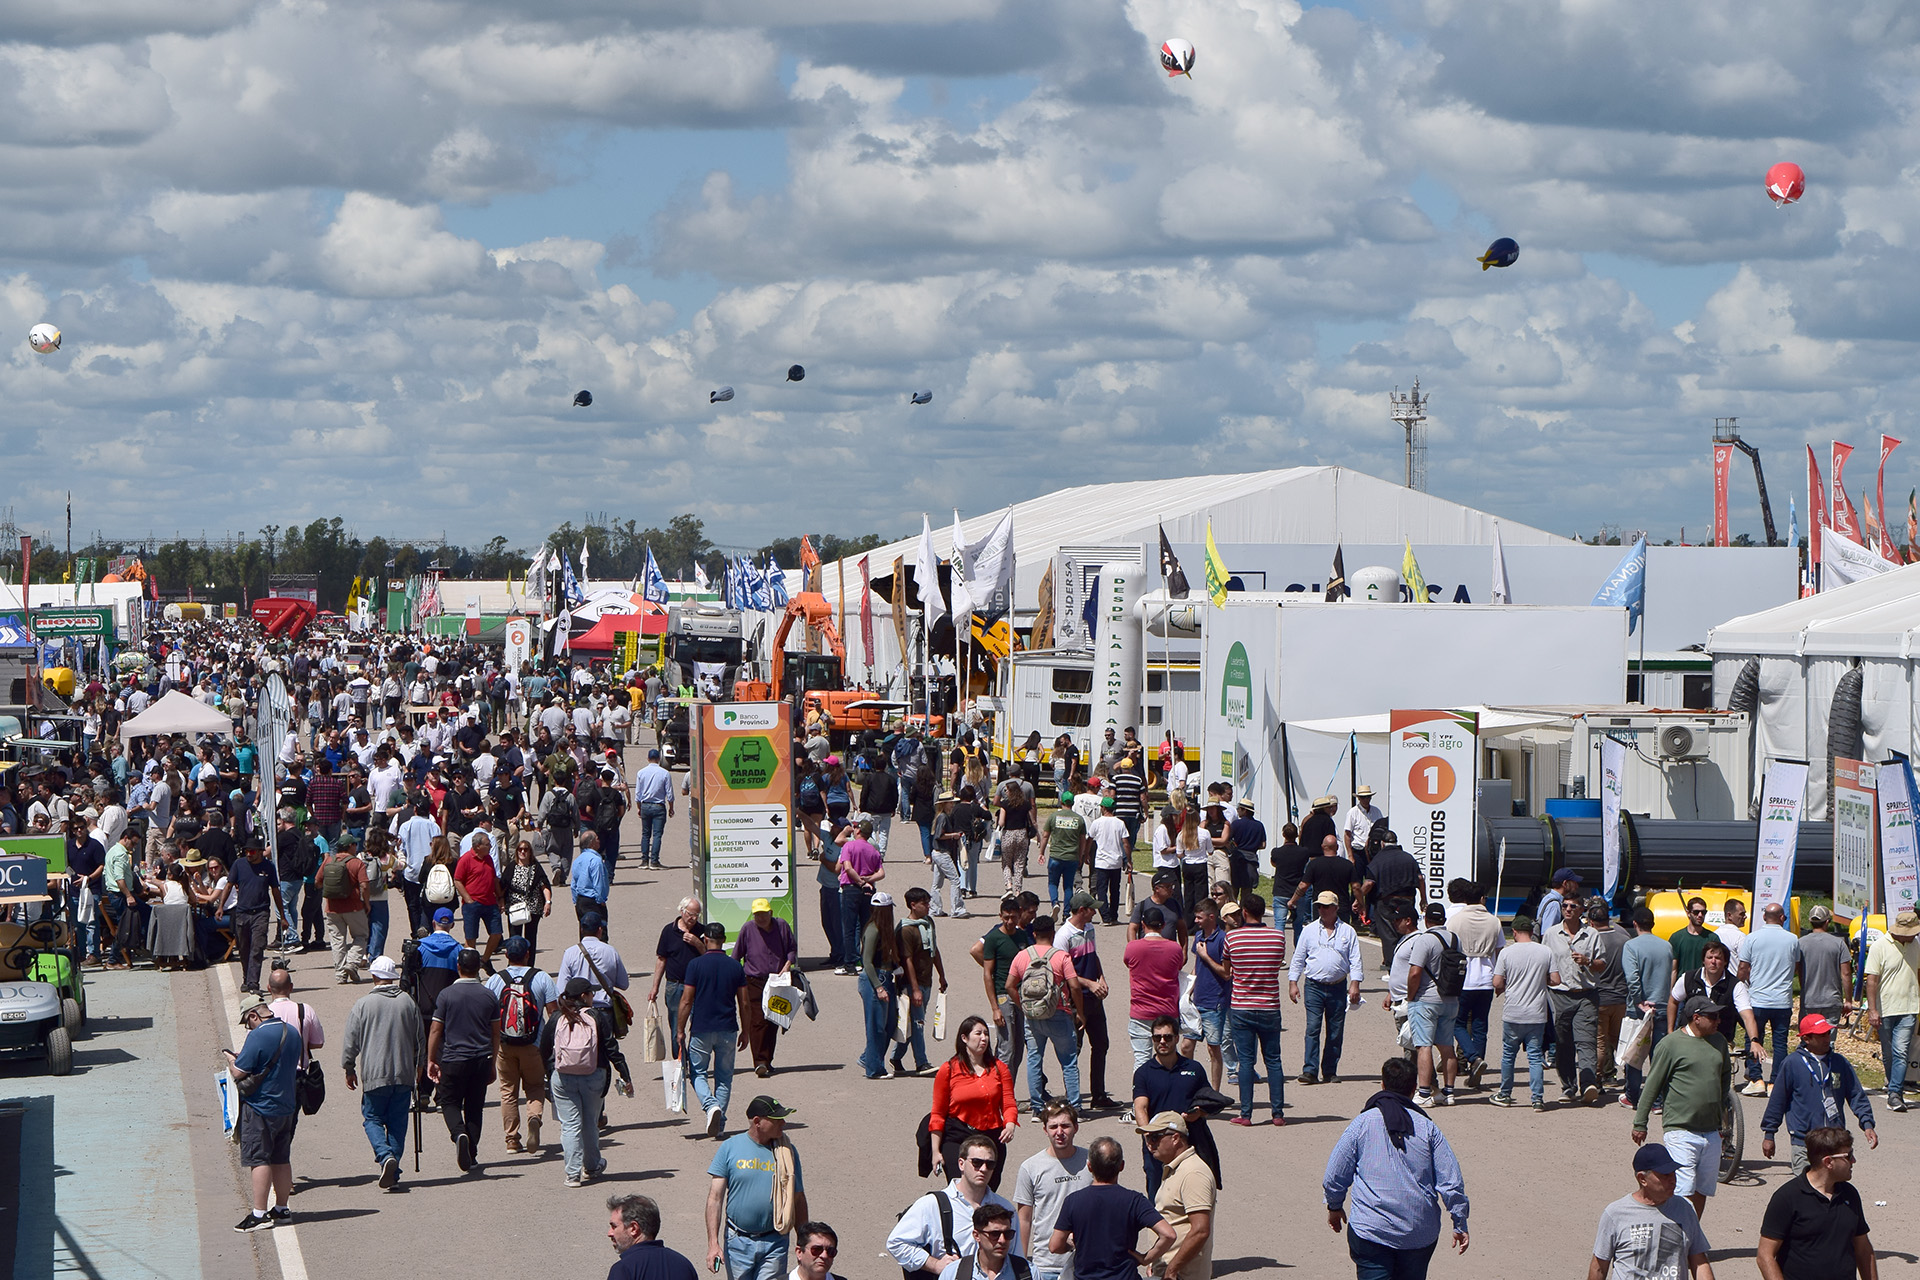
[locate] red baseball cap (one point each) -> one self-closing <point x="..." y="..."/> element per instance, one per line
<point x="1814" y="1025"/>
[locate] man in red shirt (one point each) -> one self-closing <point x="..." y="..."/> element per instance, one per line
<point x="1153" y="980"/>
<point x="1256" y="957"/>
<point x="345" y="913"/>
<point x="326" y="795"/>
<point x="479" y="886"/>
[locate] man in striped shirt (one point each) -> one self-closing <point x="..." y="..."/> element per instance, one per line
<point x="1255" y="957"/>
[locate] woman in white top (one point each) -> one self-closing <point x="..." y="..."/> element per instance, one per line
<point x="1195" y="848"/>
<point x="1166" y="834"/>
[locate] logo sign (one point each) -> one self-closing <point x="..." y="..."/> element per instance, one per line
<point x="72" y="622"/>
<point x="1236" y="686"/>
<point x="1854" y="845"/>
<point x="747" y="715"/>
<point x="1433" y="758"/>
<point x="519" y="642"/>
<point x="1783" y="795"/>
<point x="23" y="877"/>
<point x="748" y="763"/>
<point x="1898" y="852"/>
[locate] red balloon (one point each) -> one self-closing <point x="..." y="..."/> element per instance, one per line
<point x="1785" y="182"/>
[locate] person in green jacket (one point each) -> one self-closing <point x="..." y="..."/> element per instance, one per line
<point x="1694" y="1069"/>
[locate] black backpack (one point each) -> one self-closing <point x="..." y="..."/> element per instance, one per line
<point x="1451" y="977"/>
<point x="947" y="1246"/>
<point x="410" y="966"/>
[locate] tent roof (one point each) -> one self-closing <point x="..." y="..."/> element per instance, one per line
<point x="1493" y="722"/>
<point x="1878" y="617"/>
<point x="177" y="713"/>
<point x="610" y="625"/>
<point x="1294" y="504"/>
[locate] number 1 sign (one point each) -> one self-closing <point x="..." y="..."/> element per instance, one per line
<point x="1433" y="758"/>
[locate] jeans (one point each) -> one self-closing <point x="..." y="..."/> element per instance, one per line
<point x="384" y="1113"/>
<point x="926" y="838"/>
<point x="653" y="832"/>
<point x="710" y="1065"/>
<point x="830" y="922"/>
<point x="916" y="1031"/>
<point x="1325" y="1000"/>
<point x="945" y="873"/>
<point x="1259" y="1029"/>
<point x="473" y="915"/>
<point x="1008" y="1039"/>
<point x="1778" y="1020"/>
<point x="290" y="911"/>
<point x="854" y="907"/>
<point x="1377" y="1262"/>
<point x="1106" y="890"/>
<point x="1470" y="1025"/>
<point x="973" y="867"/>
<point x="1896" y="1045"/>
<point x="463" y="1096"/>
<point x="576" y="1102"/>
<point x="250" y="939"/>
<point x="756" y="1257"/>
<point x="1057" y="1031"/>
<point x="1534" y="1036"/>
<point x="1301" y="914"/>
<point x="1576" y="1023"/>
<point x="377" y="927"/>
<point x="878" y="1003"/>
<point x="1061" y="875"/>
<point x="882" y="826"/>
<point x="1636" y="1076"/>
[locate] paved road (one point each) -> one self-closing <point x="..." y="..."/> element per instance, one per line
<point x="1537" y="1181"/>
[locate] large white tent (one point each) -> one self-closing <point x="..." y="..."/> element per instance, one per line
<point x="177" y="713"/>
<point x="1804" y="647"/>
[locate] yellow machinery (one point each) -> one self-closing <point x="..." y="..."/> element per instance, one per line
<point x="1669" y="907"/>
<point x="58" y="679"/>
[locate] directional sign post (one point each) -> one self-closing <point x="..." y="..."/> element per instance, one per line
<point x="743" y="810"/>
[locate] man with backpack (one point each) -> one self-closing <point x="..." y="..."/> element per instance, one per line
<point x="930" y="1238"/>
<point x="1042" y="980"/>
<point x="343" y="898"/>
<point x="525" y="996"/>
<point x="994" y="1255"/>
<point x="558" y="815"/>
<point x="1436" y="974"/>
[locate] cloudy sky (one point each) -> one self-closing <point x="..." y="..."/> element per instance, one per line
<point x="317" y="257"/>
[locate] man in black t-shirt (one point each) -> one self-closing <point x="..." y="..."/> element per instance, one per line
<point x="1327" y="872"/>
<point x="462" y="1046"/>
<point x="1289" y="863"/>
<point x="1319" y="824"/>
<point x="1393" y="876"/>
<point x="257" y="884"/>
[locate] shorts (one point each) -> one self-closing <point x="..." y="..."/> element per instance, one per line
<point x="475" y="914"/>
<point x="1698" y="1155"/>
<point x="1213" y="1027"/>
<point x="1432" y="1022"/>
<point x="265" y="1140"/>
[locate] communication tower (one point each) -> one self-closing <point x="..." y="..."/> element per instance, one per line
<point x="1410" y="411"/>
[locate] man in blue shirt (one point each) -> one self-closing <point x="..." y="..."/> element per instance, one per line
<point x="271" y="1052"/>
<point x="712" y="1012"/>
<point x="1812" y="1090"/>
<point x="749" y="1172"/>
<point x="1327" y="958"/>
<point x="1397" y="1163"/>
<point x="416" y="842"/>
<point x="653" y="796"/>
<point x="1772" y="957"/>
<point x="588" y="878"/>
<point x="1211" y="984"/>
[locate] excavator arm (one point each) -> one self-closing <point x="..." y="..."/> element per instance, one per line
<point x="812" y="607"/>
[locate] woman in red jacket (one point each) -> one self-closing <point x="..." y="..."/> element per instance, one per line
<point x="972" y="1093"/>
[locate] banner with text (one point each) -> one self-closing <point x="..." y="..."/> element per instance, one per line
<point x="1898" y="853"/>
<point x="742" y="810"/>
<point x="1854" y="842"/>
<point x="1783" y="797"/>
<point x="1613" y="766"/>
<point x="1433" y="760"/>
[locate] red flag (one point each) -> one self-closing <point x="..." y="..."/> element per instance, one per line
<point x="866" y="610"/>
<point x="1887" y="548"/>
<point x="1816" y="521"/>
<point x="1722" y="465"/>
<point x="1844" y="519"/>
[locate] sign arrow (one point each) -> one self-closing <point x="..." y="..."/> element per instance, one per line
<point x="774" y="818"/>
<point x="776" y="882"/>
<point x="775" y="842"/>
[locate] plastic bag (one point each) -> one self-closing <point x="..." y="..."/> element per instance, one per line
<point x="779" y="1000"/>
<point x="673" y="1078"/>
<point x="1189" y="1011"/>
<point x="1636" y="1038"/>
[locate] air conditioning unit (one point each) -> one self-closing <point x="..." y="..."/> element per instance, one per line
<point x="1682" y="742"/>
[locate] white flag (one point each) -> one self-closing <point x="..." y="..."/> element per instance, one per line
<point x="1843" y="560"/>
<point x="583" y="561"/>
<point x="1502" y="593"/>
<point x="960" y="589"/>
<point x="926" y="570"/>
<point x="700" y="576"/>
<point x="992" y="570"/>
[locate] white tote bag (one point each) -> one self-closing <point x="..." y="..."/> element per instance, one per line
<point x="1636" y="1038"/>
<point x="673" y="1078"/>
<point x="939" y="1015"/>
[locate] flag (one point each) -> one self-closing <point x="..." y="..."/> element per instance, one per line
<point x="700" y="579"/>
<point x="1913" y="528"/>
<point x="898" y="605"/>
<point x="1870" y="538"/>
<point x="990" y="565"/>
<point x="1216" y="571"/>
<point x="584" y="575"/>
<point x="1845" y="560"/>
<point x="926" y="572"/>
<point x="1816" y="519"/>
<point x="1842" y="516"/>
<point x="1793" y="537"/>
<point x="1171" y="574"/>
<point x="1410" y="574"/>
<point x="1502" y="592"/>
<point x="1337" y="576"/>
<point x="1887" y="445"/>
<point x="994" y="638"/>
<point x="776" y="583"/>
<point x="570" y="593"/>
<point x="866" y="610"/>
<point x="1041" y="636"/>
<point x="1627" y="584"/>
<point x="1089" y="612"/>
<point x="655" y="586"/>
<point x="756" y="584"/>
<point x="958" y="587"/>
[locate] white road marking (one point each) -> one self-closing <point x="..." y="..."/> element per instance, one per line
<point x="286" y="1239"/>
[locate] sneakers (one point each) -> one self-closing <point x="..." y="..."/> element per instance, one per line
<point x="576" y="1179"/>
<point x="1475" y="1071"/>
<point x="763" y="1070"/>
<point x="1539" y="1104"/>
<point x="1501" y="1099"/>
<point x="1245" y="1122"/>
<point x="1423" y="1099"/>
<point x="1896" y="1102"/>
<point x="389" y="1173"/>
<point x="842" y="971"/>
<point x="533" y="1134"/>
<point x="254" y="1222"/>
<point x="1446" y="1096"/>
<point x="1754" y="1089"/>
<point x="1590" y="1094"/>
<point x="463" y="1148"/>
<point x="1330" y="1078"/>
<point x="715" y="1122"/>
<point x="1306" y="1077"/>
<point x="281" y="1213"/>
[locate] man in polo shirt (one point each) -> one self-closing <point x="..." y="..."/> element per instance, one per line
<point x="1187" y="1199"/>
<point x="1815" y="1227"/>
<point x="1246" y="837"/>
<point x="1168" y="1082"/>
<point x="1256" y="955"/>
<point x="462" y="1046"/>
<point x="712" y="1011"/>
<point x="1773" y="960"/>
<point x="633" y="1227"/>
<point x="256" y="886"/>
<point x="1359" y="824"/>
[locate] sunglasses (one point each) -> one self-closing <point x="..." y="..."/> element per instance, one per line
<point x="997" y="1233"/>
<point x="981" y="1164"/>
<point x="823" y="1250"/>
<point x="1848" y="1156"/>
<point x="1164" y="1035"/>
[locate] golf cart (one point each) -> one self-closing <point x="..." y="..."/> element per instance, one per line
<point x="42" y="993"/>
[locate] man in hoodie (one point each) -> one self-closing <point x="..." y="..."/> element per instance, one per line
<point x="439" y="969"/>
<point x="385" y="1042"/>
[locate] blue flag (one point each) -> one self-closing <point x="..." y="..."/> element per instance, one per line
<point x="1627" y="584"/>
<point x="655" y="589"/>
<point x="776" y="583"/>
<point x="569" y="585"/>
<point x="756" y="583"/>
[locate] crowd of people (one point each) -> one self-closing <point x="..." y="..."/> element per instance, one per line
<point x="509" y="799"/>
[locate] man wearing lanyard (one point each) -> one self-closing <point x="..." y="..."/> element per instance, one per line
<point x="1809" y="1089"/>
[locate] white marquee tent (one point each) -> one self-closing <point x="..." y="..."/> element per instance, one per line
<point x="177" y="713"/>
<point x="1804" y="647"/>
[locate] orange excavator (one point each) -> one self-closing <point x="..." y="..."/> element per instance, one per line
<point x="816" y="680"/>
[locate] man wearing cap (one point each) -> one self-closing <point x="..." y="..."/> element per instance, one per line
<point x="1811" y="1090"/>
<point x="1327" y="960"/>
<point x="380" y="1055"/>
<point x="756" y="1198"/>
<point x="1826" y="969"/>
<point x="1173" y="918"/>
<point x="519" y="1065"/>
<point x="1401" y="1171"/>
<point x="1520" y="978"/>
<point x="256" y="886"/>
<point x="1188" y="1198"/>
<point x="1076" y="937"/>
<point x="1651" y="1232"/>
<point x="1691" y="1068"/>
<point x="766" y="947"/>
<point x="1893" y="998"/>
<point x="1112" y="860"/>
<point x="1358" y="824"/>
<point x="1561" y="885"/>
<point x="713" y="1009"/>
<point x="271" y="1051"/>
<point x="1575" y="1005"/>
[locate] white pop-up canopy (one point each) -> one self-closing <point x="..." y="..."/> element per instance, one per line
<point x="1493" y="722"/>
<point x="177" y="713"/>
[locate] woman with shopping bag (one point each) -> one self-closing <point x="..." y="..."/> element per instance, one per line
<point x="766" y="948"/>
